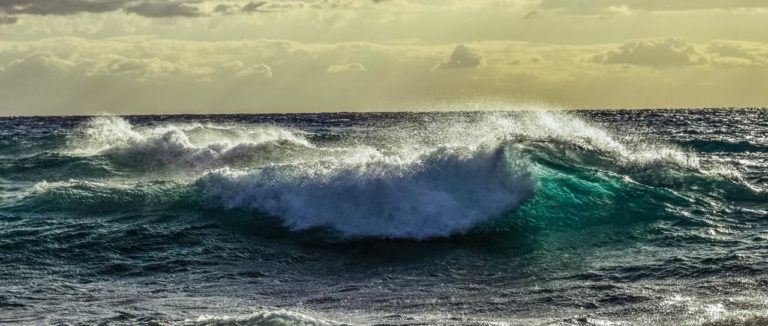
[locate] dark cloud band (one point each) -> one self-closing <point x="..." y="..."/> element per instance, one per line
<point x="69" y="7"/>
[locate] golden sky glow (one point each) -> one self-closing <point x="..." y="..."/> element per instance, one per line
<point x="209" y="56"/>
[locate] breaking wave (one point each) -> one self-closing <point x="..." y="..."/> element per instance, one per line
<point x="193" y="146"/>
<point x="444" y="192"/>
<point x="414" y="180"/>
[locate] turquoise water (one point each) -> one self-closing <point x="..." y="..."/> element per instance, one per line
<point x="526" y="218"/>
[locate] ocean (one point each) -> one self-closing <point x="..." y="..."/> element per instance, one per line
<point x="646" y="217"/>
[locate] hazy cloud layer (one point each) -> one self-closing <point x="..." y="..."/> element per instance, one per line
<point x="126" y="56"/>
<point x="146" y="75"/>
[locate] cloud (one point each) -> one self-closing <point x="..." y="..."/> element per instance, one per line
<point x="262" y="7"/>
<point x="531" y="14"/>
<point x="350" y="67"/>
<point x="154" y="8"/>
<point x="165" y="8"/>
<point x="107" y="64"/>
<point x="159" y="9"/>
<point x="461" y="57"/>
<point x="735" y="49"/>
<point x="253" y="6"/>
<point x="255" y="71"/>
<point x="59" y="7"/>
<point x="7" y="20"/>
<point x="737" y="54"/>
<point x="223" y="8"/>
<point x="41" y="64"/>
<point x="662" y="52"/>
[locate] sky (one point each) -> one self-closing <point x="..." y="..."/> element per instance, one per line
<point x="65" y="57"/>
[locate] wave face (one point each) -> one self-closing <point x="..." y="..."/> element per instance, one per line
<point x="514" y="213"/>
<point x="440" y="193"/>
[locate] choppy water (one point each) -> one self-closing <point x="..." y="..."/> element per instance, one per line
<point x="525" y="218"/>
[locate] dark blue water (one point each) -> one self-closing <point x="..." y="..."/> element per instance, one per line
<point x="526" y="218"/>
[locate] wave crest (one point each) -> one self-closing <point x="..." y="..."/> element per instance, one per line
<point x="193" y="146"/>
<point x="444" y="192"/>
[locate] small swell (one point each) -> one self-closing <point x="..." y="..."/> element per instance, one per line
<point x="96" y="197"/>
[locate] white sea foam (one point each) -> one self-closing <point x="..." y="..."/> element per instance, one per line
<point x="444" y="192"/>
<point x="206" y="146"/>
<point x="185" y="146"/>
